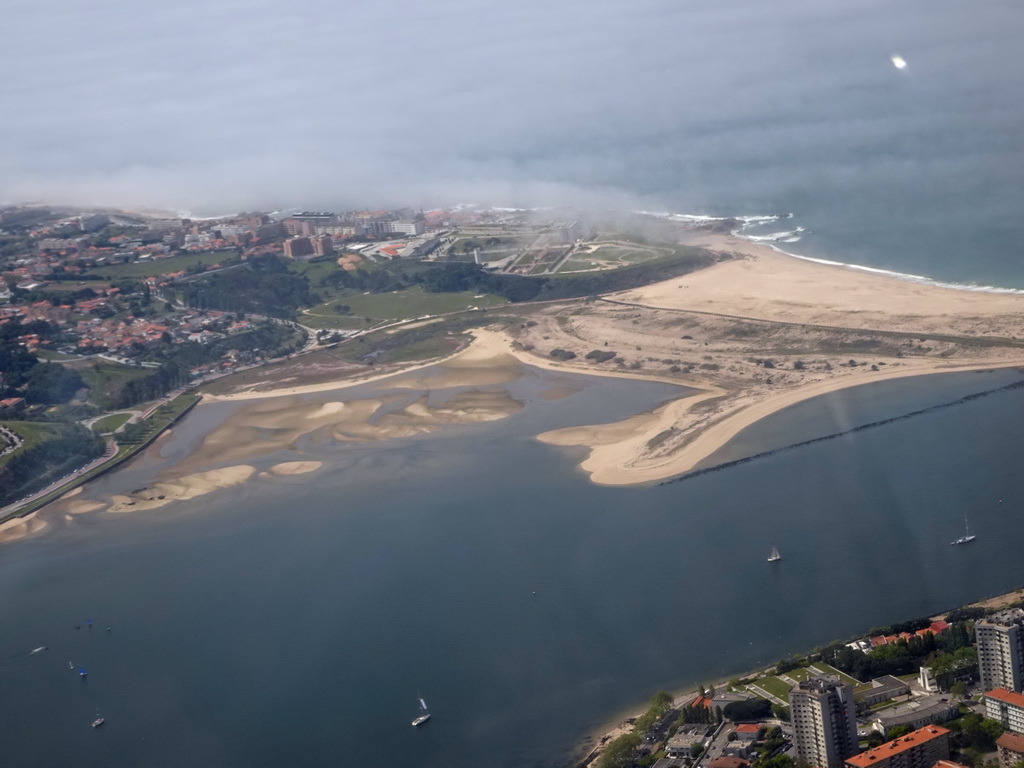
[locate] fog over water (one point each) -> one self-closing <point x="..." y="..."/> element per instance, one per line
<point x="735" y="105"/>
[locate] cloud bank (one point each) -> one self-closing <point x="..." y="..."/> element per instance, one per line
<point x="229" y="105"/>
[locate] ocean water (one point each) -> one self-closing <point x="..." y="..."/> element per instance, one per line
<point x="294" y="621"/>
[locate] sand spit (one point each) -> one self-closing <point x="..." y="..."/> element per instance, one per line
<point x="758" y="333"/>
<point x="288" y="468"/>
<point x="182" y="488"/>
<point x="672" y="440"/>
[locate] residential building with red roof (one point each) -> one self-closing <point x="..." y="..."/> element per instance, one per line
<point x="1011" y="749"/>
<point x="920" y="749"/>
<point x="748" y="731"/>
<point x="1007" y="707"/>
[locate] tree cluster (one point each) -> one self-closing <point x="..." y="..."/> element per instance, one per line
<point x="30" y="469"/>
<point x="264" y="285"/>
<point x="905" y="656"/>
<point x="751" y="710"/>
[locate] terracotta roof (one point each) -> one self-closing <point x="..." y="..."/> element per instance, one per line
<point x="728" y="762"/>
<point x="748" y="727"/>
<point x="1001" y="694"/>
<point x="1011" y="741"/>
<point x="896" y="746"/>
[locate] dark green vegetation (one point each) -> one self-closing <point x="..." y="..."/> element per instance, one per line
<point x="601" y="355"/>
<point x="193" y="263"/>
<point x="55" y="452"/>
<point x="621" y="751"/>
<point x="264" y="285"/>
<point x="270" y="285"/>
<point x="351" y="309"/>
<point x="142" y="432"/>
<point x="114" y="386"/>
<point x="16" y="362"/>
<point x="750" y="710"/>
<point x="516" y="288"/>
<point x="973" y="736"/>
<point x="420" y="343"/>
<point x="51" y="383"/>
<point x="949" y="654"/>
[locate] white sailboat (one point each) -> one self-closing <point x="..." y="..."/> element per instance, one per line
<point x="968" y="537"/>
<point x="774" y="556"/>
<point x="424" y="716"/>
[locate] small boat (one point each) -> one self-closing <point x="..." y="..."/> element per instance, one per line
<point x="424" y="716"/>
<point x="71" y="666"/>
<point x="774" y="556"/>
<point x="40" y="649"/>
<point x="967" y="538"/>
<point x="98" y="721"/>
<point x="82" y="672"/>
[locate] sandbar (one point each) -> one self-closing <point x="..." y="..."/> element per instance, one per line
<point x="287" y="468"/>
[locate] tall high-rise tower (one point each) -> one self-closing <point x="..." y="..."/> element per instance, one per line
<point x="824" y="721"/>
<point x="1001" y="650"/>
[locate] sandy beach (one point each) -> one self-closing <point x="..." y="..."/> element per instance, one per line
<point x="711" y="332"/>
<point x="745" y="338"/>
<point x="757" y="332"/>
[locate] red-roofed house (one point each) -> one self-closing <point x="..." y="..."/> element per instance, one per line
<point x="728" y="762"/>
<point x="924" y="747"/>
<point x="939" y="626"/>
<point x="1011" y="749"/>
<point x="1007" y="707"/>
<point x="748" y="731"/>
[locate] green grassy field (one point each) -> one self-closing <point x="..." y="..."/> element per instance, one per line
<point x="158" y="267"/>
<point x="774" y="686"/>
<point x="821" y="667"/>
<point x="612" y="254"/>
<point x="109" y="423"/>
<point x="315" y="271"/>
<point x="31" y="432"/>
<point x="399" y="305"/>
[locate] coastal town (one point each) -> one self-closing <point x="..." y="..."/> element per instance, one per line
<point x="952" y="699"/>
<point x="107" y="316"/>
<point x="114" y="323"/>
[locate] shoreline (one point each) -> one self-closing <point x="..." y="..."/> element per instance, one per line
<point x="759" y="282"/>
<point x="610" y="457"/>
<point x="593" y="742"/>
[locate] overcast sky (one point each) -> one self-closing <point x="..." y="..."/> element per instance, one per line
<point x="222" y="105"/>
